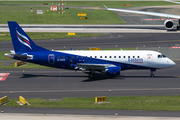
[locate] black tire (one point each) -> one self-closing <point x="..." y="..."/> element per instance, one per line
<point x="91" y="75"/>
<point x="177" y="27"/>
<point x="152" y="75"/>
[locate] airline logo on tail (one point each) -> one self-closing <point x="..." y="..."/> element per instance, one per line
<point x="23" y="39"/>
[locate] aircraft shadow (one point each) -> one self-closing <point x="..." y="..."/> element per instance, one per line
<point x="98" y="77"/>
<point x="146" y="77"/>
<point x="31" y="76"/>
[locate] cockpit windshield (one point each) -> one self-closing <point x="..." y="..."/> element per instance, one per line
<point x="161" y="56"/>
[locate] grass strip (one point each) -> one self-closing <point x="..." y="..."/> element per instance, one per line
<point x="160" y="103"/>
<point x="23" y="15"/>
<point x="5" y="36"/>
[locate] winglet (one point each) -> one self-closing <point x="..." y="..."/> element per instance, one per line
<point x="105" y="7"/>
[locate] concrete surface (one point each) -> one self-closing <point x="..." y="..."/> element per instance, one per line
<point x="7" y="116"/>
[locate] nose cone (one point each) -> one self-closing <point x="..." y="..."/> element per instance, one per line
<point x="172" y="63"/>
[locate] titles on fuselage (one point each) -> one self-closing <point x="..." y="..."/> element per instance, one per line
<point x="135" y="60"/>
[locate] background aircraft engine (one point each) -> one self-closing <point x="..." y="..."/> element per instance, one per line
<point x="113" y="70"/>
<point x="168" y="24"/>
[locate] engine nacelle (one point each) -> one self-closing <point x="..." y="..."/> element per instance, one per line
<point x="113" y="70"/>
<point x="168" y="24"/>
<point x="73" y="66"/>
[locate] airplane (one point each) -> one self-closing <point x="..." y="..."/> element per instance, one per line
<point x="109" y="63"/>
<point x="168" y="23"/>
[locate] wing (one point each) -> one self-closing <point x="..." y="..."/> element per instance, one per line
<point x="172" y="1"/>
<point x="145" y="13"/>
<point x="90" y="66"/>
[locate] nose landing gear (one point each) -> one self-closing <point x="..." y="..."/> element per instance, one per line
<point x="152" y="71"/>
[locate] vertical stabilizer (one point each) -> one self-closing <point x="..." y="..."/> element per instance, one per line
<point x="21" y="41"/>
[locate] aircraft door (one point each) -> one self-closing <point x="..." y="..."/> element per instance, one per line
<point x="149" y="58"/>
<point x="51" y="58"/>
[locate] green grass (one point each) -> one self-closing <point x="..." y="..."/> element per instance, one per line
<point x="160" y="103"/>
<point x="2" y="57"/>
<point x="5" y="36"/>
<point x="23" y="15"/>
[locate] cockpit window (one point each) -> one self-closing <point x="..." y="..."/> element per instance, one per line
<point x="163" y="56"/>
<point x="159" y="56"/>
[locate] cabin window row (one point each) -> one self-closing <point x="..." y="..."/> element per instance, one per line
<point x="100" y="57"/>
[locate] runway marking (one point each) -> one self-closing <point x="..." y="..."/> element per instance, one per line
<point x="100" y="90"/>
<point x="3" y="76"/>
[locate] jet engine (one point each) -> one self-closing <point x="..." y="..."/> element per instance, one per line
<point x="168" y="24"/>
<point x="112" y="70"/>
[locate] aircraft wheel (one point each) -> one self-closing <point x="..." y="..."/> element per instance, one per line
<point x="91" y="75"/>
<point x="106" y="76"/>
<point x="152" y="75"/>
<point x="177" y="27"/>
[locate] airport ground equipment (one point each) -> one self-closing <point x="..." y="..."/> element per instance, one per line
<point x="3" y="100"/>
<point x="100" y="99"/>
<point x="22" y="100"/>
<point x="71" y="33"/>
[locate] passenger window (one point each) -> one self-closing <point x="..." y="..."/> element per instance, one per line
<point x="86" y="56"/>
<point x="124" y="56"/>
<point x="90" y="56"/>
<point x="81" y="56"/>
<point x="76" y="56"/>
<point x="95" y="56"/>
<point x="119" y="56"/>
<point x="62" y="56"/>
<point x="133" y="56"/>
<point x="72" y="56"/>
<point x="137" y="56"/>
<point x="114" y="56"/>
<point x="58" y="56"/>
<point x="128" y="56"/>
<point x="100" y="56"/>
<point x="105" y="56"/>
<point x="109" y="56"/>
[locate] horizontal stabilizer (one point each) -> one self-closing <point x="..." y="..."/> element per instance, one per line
<point x="11" y="55"/>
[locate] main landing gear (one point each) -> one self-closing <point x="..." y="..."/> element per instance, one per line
<point x="152" y="71"/>
<point x="178" y="26"/>
<point x="91" y="74"/>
